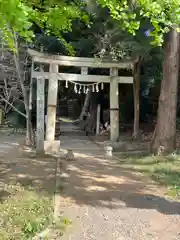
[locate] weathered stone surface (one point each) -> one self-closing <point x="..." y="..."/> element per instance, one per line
<point x="52" y="146"/>
<point x="108" y="151"/>
<point x="115" y="145"/>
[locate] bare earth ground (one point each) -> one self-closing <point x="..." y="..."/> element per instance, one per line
<point x="106" y="201"/>
<point x="103" y="200"/>
<point x="19" y="167"/>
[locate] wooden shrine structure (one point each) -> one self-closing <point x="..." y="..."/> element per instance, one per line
<point x="54" y="62"/>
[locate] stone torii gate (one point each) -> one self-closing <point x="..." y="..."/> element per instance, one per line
<point x="53" y="75"/>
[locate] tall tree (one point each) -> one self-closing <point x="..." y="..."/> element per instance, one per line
<point x="164" y="17"/>
<point x="165" y="132"/>
<point x="136" y="89"/>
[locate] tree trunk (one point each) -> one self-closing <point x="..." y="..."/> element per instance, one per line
<point x="165" y="131"/>
<point x="28" y="140"/>
<point x="28" y="115"/>
<point x="136" y="90"/>
<point x="86" y="105"/>
<point x="29" y="137"/>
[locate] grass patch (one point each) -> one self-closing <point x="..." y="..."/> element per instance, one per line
<point x="164" y="170"/>
<point x="24" y="213"/>
<point x="61" y="226"/>
<point x="55" y="230"/>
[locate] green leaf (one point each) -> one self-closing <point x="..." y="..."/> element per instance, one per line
<point x="19" y="15"/>
<point x="161" y="14"/>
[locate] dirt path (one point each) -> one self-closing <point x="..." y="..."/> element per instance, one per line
<point x="9" y="143"/>
<point x="103" y="200"/>
<point x="106" y="202"/>
<point x="20" y="167"/>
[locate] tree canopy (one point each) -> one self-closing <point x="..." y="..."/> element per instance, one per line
<point x="55" y="17"/>
<point x="162" y="15"/>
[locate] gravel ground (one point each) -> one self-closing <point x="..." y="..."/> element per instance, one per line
<point x="105" y="201"/>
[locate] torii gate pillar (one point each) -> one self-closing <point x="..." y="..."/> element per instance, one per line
<point x="52" y="103"/>
<point x="52" y="145"/>
<point x="114" y="105"/>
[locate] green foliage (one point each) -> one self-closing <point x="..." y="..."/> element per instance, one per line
<point x="121" y="45"/>
<point x="83" y="38"/>
<point x="162" y="15"/>
<point x="17" y="17"/>
<point x="24" y="213"/>
<point x="120" y="11"/>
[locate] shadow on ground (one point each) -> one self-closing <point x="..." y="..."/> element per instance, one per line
<point x="164" y="170"/>
<point x="104" y="183"/>
<point x="28" y="171"/>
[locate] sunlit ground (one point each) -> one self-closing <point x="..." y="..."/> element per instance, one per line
<point x="164" y="170"/>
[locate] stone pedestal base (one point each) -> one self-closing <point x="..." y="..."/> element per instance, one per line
<point x="52" y="146"/>
<point x="108" y="151"/>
